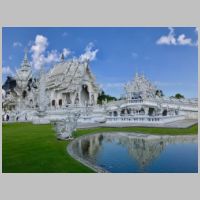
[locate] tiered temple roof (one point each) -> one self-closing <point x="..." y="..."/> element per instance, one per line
<point x="69" y="75"/>
<point x="140" y="86"/>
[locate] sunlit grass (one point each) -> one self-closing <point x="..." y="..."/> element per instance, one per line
<point x="34" y="148"/>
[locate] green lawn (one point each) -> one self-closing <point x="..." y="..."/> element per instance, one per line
<point x="34" y="148"/>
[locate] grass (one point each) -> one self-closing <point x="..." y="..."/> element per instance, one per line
<point x="30" y="148"/>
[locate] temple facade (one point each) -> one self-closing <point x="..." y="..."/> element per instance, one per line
<point x="144" y="102"/>
<point x="71" y="83"/>
<point x="21" y="90"/>
<point x="68" y="83"/>
<point x="71" y="86"/>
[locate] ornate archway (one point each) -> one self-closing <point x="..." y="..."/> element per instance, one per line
<point x="164" y="113"/>
<point x="60" y="102"/>
<point x="151" y="111"/>
<point x="84" y="95"/>
<point x="115" y="113"/>
<point x="53" y="102"/>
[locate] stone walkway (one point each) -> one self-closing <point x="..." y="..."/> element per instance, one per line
<point x="177" y="124"/>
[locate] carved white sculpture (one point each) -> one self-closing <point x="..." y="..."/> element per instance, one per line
<point x="41" y="115"/>
<point x="65" y="127"/>
<point x="42" y="99"/>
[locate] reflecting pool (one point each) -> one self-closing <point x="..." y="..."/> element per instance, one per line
<point x="137" y="153"/>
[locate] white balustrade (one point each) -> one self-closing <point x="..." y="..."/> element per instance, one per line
<point x="144" y="119"/>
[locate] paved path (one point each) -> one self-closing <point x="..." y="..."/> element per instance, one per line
<point x="177" y="124"/>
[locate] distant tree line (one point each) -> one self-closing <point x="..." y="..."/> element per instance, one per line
<point x="178" y="96"/>
<point x="105" y="97"/>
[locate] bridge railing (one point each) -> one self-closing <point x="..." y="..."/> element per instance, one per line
<point x="144" y="119"/>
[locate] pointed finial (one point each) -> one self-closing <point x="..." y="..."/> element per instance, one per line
<point x="25" y="62"/>
<point x="25" y="53"/>
<point x="62" y="57"/>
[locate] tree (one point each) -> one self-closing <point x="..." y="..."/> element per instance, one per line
<point x="102" y="97"/>
<point x="179" y="96"/>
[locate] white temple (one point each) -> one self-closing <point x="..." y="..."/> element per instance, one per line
<point x="67" y="83"/>
<point x="143" y="102"/>
<point x="71" y="83"/>
<point x="71" y="86"/>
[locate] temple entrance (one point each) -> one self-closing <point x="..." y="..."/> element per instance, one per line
<point x="164" y="113"/>
<point x="151" y="112"/>
<point x="122" y="112"/>
<point x="84" y="95"/>
<point x="115" y="113"/>
<point x="67" y="98"/>
<point x="53" y="103"/>
<point x="60" y="102"/>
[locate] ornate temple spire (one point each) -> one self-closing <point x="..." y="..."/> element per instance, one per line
<point x="25" y="62"/>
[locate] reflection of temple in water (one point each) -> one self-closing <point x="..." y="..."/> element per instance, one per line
<point x="142" y="149"/>
<point x="146" y="149"/>
<point x="89" y="146"/>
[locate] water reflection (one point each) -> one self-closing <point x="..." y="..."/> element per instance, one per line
<point x="112" y="149"/>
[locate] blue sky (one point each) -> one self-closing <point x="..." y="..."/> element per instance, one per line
<point x="167" y="56"/>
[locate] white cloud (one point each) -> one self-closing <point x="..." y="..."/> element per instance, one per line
<point x="17" y="44"/>
<point x="89" y="54"/>
<point x="66" y="52"/>
<point x="40" y="55"/>
<point x="52" y="56"/>
<point x="7" y="71"/>
<point x="37" y="50"/>
<point x="39" y="45"/>
<point x="167" y="39"/>
<point x="170" y="39"/>
<point x="182" y="40"/>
